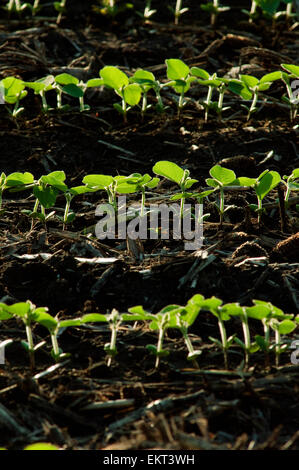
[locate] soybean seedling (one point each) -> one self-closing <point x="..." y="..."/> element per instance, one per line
<point x="15" y="6"/>
<point x="234" y="309"/>
<point x="291" y="184"/>
<point x="27" y="312"/>
<point x="290" y="80"/>
<point x="107" y="183"/>
<point x="111" y="8"/>
<point x="265" y="312"/>
<point x="213" y="304"/>
<point x="114" y="319"/>
<point x="53" y="325"/>
<point x="179" y="74"/>
<point x="14" y="91"/>
<point x="15" y="182"/>
<point x="161" y="321"/>
<point x="178" y="10"/>
<point x="130" y="93"/>
<point x="248" y="87"/>
<point x="279" y="322"/>
<point x="56" y="180"/>
<point x="267" y="181"/>
<point x="212" y="82"/>
<point x="221" y="177"/>
<point x="148" y="12"/>
<point x="185" y="319"/>
<point x="40" y="87"/>
<point x="214" y="9"/>
<point x="137" y="182"/>
<point x="174" y="173"/>
<point x="60" y="7"/>
<point x="76" y="88"/>
<point x="146" y="80"/>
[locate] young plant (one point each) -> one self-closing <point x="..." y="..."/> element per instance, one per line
<point x="60" y="7"/>
<point x="178" y="11"/>
<point x="148" y="12"/>
<point x="137" y="183"/>
<point x="166" y="318"/>
<point x="271" y="317"/>
<point x="290" y="79"/>
<point x="76" y="88"/>
<point x="15" y="182"/>
<point x="147" y="81"/>
<point x="40" y="87"/>
<point x="234" y="309"/>
<point x="14" y="91"/>
<point x="114" y="319"/>
<point x="53" y="325"/>
<point x="111" y="7"/>
<point x="15" y="6"/>
<point x="221" y="177"/>
<point x="248" y="87"/>
<point x="212" y="82"/>
<point x="56" y="181"/>
<point x="130" y="93"/>
<point x="174" y="173"/>
<point x="179" y="74"/>
<point x="214" y="9"/>
<point x="267" y="181"/>
<point x="27" y="311"/>
<point x="106" y="183"/>
<point x="291" y="184"/>
<point x="214" y="305"/>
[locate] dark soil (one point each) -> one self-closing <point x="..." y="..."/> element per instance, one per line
<point x="176" y="406"/>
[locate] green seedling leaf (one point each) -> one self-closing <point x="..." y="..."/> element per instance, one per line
<point x="169" y="170"/>
<point x="46" y="320"/>
<point x="258" y="312"/>
<point x="94" y="82"/>
<point x="66" y="79"/>
<point x="46" y="196"/>
<point x="70" y="322"/>
<point x="244" y="181"/>
<point x="144" y="78"/>
<point x="41" y="446"/>
<point x="98" y="181"/>
<point x="13" y="89"/>
<point x="239" y="88"/>
<point x="132" y="94"/>
<point x="73" y="90"/>
<point x="286" y="327"/>
<point x="177" y="69"/>
<point x="113" y="77"/>
<point x="291" y="68"/>
<point x="76" y="190"/>
<point x="94" y="318"/>
<point x="267" y="183"/>
<point x="21" y="309"/>
<point x="200" y="73"/>
<point x="260" y="341"/>
<point x="224" y="176"/>
<point x="55" y="179"/>
<point x="254" y="347"/>
<point x="19" y="179"/>
<point x="271" y="77"/>
<point x="249" y="80"/>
